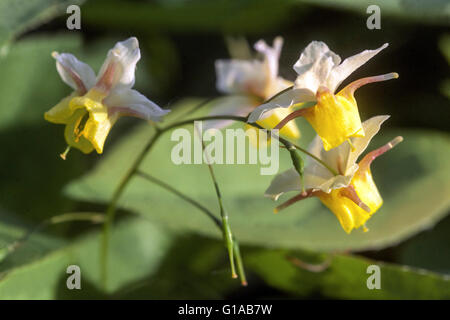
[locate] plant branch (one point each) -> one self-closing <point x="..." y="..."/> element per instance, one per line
<point x="186" y="198"/>
<point x="226" y="229"/>
<point x="110" y="212"/>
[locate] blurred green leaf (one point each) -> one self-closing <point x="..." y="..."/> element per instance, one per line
<point x="145" y="262"/>
<point x="413" y="179"/>
<point x="18" y="16"/>
<point x="30" y="84"/>
<point x="193" y="268"/>
<point x="188" y="16"/>
<point x="431" y="11"/>
<point x="14" y="251"/>
<point x="444" y="45"/>
<point x="137" y="248"/>
<point x="429" y="249"/>
<point x="345" y="277"/>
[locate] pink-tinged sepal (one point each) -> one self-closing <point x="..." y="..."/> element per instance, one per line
<point x="364" y="164"/>
<point x="350" y="89"/>
<point x="301" y="196"/>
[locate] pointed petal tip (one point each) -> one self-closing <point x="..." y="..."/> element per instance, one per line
<point x="55" y="54"/>
<point x="132" y="41"/>
<point x="274" y="197"/>
<point x="395" y="141"/>
<point x="364" y="206"/>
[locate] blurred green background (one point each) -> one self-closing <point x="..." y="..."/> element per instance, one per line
<point x="162" y="247"/>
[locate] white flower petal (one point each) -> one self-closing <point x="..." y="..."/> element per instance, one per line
<point x="336" y="182"/>
<point x="283" y="100"/>
<point x="290" y="181"/>
<point x="341" y="72"/>
<point x="318" y="176"/>
<point x="240" y="76"/>
<point x="284" y="182"/>
<point x="75" y="73"/>
<point x="314" y="66"/>
<point x="271" y="54"/>
<point x="371" y="128"/>
<point x="119" y="66"/>
<point x="230" y="105"/>
<point x="341" y="159"/>
<point x="132" y="103"/>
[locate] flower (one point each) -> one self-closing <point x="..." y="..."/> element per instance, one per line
<point x="351" y="194"/>
<point x="248" y="83"/>
<point x="97" y="102"/>
<point x="334" y="117"/>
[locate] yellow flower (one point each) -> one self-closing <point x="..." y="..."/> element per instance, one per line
<point x="351" y="194"/>
<point x="248" y="83"/>
<point x="97" y="102"/>
<point x="335" y="117"/>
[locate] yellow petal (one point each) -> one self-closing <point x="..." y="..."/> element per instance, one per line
<point x="350" y="215"/>
<point x="60" y="113"/>
<point x="91" y="101"/>
<point x="335" y="119"/>
<point x="290" y="130"/>
<point x="253" y="134"/>
<point x="97" y="129"/>
<point x="92" y="133"/>
<point x="73" y="137"/>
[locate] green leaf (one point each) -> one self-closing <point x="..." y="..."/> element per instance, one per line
<point x="14" y="251"/>
<point x="413" y="179"/>
<point x="427" y="249"/>
<point x="137" y="248"/>
<point x="144" y="261"/>
<point x="30" y="85"/>
<point x="444" y="45"/>
<point x="18" y="16"/>
<point x="345" y="277"/>
<point x="436" y="11"/>
<point x="189" y="16"/>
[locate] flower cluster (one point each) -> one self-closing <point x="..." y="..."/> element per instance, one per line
<point x="253" y="89"/>
<point x="346" y="187"/>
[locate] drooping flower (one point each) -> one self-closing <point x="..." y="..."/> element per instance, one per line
<point x="351" y="194"/>
<point x="97" y="102"/>
<point x="335" y="117"/>
<point x="248" y="83"/>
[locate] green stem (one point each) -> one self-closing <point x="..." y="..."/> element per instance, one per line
<point x="240" y="265"/>
<point x="110" y="211"/>
<point x="195" y="108"/>
<point x="162" y="184"/>
<point x="66" y="217"/>
<point x="227" y="234"/>
<point x="288" y="143"/>
<point x="186" y="198"/>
